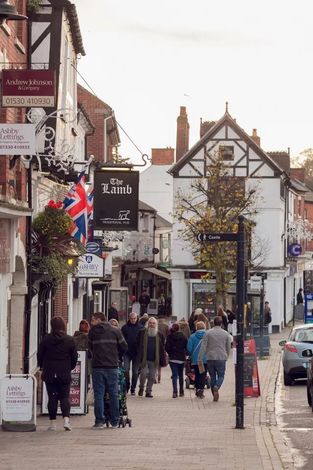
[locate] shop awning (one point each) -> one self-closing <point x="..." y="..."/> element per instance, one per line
<point x="158" y="272"/>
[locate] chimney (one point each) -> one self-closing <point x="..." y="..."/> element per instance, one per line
<point x="182" y="136"/>
<point x="255" y="137"/>
<point x="205" y="126"/>
<point x="162" y="156"/>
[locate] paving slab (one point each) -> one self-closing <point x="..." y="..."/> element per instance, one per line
<point x="183" y="433"/>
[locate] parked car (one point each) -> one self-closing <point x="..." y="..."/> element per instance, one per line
<point x="296" y="358"/>
<point x="309" y="384"/>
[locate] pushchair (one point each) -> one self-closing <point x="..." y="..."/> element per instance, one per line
<point x="122" y="391"/>
<point x="190" y="375"/>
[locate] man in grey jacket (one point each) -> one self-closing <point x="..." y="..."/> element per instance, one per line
<point x="216" y="346"/>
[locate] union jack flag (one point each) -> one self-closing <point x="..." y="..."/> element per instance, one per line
<point x="77" y="206"/>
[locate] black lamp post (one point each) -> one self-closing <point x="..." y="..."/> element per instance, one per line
<point x="9" y="12"/>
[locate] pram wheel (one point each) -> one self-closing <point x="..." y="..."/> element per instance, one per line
<point x="129" y="422"/>
<point x="187" y="382"/>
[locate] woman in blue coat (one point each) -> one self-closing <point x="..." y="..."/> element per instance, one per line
<point x="193" y="347"/>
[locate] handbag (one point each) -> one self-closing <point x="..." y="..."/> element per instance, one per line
<point x="90" y="399"/>
<point x="164" y="360"/>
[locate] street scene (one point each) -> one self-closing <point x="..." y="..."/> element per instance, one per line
<point x="156" y="235"/>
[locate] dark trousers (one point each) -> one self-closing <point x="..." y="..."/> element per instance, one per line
<point x="200" y="378"/>
<point x="58" y="392"/>
<point x="128" y="361"/>
<point x="177" y="374"/>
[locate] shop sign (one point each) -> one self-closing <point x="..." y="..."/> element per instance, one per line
<point x="255" y="283"/>
<point x="90" y="265"/>
<point x="5" y="251"/>
<point x="17" y="139"/>
<point x="28" y="88"/>
<point x="77" y="388"/>
<point x="295" y="249"/>
<point x="116" y="200"/>
<point x="17" y="399"/>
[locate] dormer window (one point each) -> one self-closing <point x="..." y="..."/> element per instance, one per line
<point x="226" y="152"/>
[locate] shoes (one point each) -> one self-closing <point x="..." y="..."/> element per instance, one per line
<point x="181" y="394"/>
<point x="99" y="426"/>
<point x="53" y="425"/>
<point x="174" y="395"/>
<point x="114" y="426"/>
<point x="149" y="395"/>
<point x="67" y="426"/>
<point x="140" y="393"/>
<point x="215" y="393"/>
<point x="133" y="392"/>
<point x="155" y="381"/>
<point x="197" y="391"/>
<point x="200" y="394"/>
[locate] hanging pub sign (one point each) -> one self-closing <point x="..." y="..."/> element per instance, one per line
<point x="116" y="200"/>
<point x="28" y="88"/>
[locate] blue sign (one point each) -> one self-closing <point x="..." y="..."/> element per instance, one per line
<point x="295" y="249"/>
<point x="93" y="247"/>
<point x="308" y="308"/>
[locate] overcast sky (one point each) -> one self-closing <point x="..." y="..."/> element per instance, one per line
<point x="146" y="58"/>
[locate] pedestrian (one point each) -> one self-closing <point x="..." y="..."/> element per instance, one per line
<point x="221" y="313"/>
<point x="144" y="300"/>
<point x="300" y="296"/>
<point x="164" y="330"/>
<point x="193" y="347"/>
<point x="114" y="322"/>
<point x="112" y="312"/>
<point x="151" y="354"/>
<point x="215" y="347"/>
<point x="143" y="320"/>
<point x="176" y="346"/>
<point x="192" y="318"/>
<point x="202" y="317"/>
<point x="184" y="327"/>
<point x="231" y="317"/>
<point x="80" y="337"/>
<point x="106" y="344"/>
<point x="267" y="313"/>
<point x="130" y="332"/>
<point x="57" y="356"/>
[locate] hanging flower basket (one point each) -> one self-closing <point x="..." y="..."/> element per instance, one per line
<point x="53" y="245"/>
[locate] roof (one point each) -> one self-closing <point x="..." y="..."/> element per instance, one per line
<point x="298" y="185"/>
<point x="70" y="8"/>
<point x="226" y="119"/>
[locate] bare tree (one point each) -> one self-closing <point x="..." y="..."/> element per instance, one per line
<point x="213" y="204"/>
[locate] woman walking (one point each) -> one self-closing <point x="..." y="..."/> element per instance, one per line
<point x="193" y="347"/>
<point x="57" y="356"/>
<point x="175" y="346"/>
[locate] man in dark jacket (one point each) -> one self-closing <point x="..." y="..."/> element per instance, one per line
<point x="130" y="332"/>
<point x="112" y="312"/>
<point x="144" y="300"/>
<point x="106" y="344"/>
<point x="151" y="354"/>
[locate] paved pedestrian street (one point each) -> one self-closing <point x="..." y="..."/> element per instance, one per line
<point x="182" y="433"/>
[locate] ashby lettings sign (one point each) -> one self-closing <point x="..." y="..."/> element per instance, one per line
<point x="116" y="200"/>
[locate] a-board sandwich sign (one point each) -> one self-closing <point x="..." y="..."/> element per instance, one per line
<point x="18" y="402"/>
<point x="77" y="388"/>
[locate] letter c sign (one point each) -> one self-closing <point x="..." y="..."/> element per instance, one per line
<point x="295" y="249"/>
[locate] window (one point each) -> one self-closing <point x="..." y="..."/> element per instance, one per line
<point x="226" y="152"/>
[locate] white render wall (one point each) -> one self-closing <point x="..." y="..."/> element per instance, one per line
<point x="156" y="189"/>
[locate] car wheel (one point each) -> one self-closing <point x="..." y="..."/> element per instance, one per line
<point x="308" y="394"/>
<point x="287" y="379"/>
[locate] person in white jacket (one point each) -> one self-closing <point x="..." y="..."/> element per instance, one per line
<point x="215" y="346"/>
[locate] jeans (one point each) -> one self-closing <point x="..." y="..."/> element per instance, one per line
<point x="58" y="391"/>
<point x="200" y="378"/>
<point x="148" y="372"/>
<point x="106" y="381"/>
<point x="134" y="363"/>
<point x="217" y="372"/>
<point x="177" y="374"/>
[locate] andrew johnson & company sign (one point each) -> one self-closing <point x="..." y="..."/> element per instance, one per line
<point x="116" y="200"/>
<point x="28" y="88"/>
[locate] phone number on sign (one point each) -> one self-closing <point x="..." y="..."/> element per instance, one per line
<point x="28" y="101"/>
